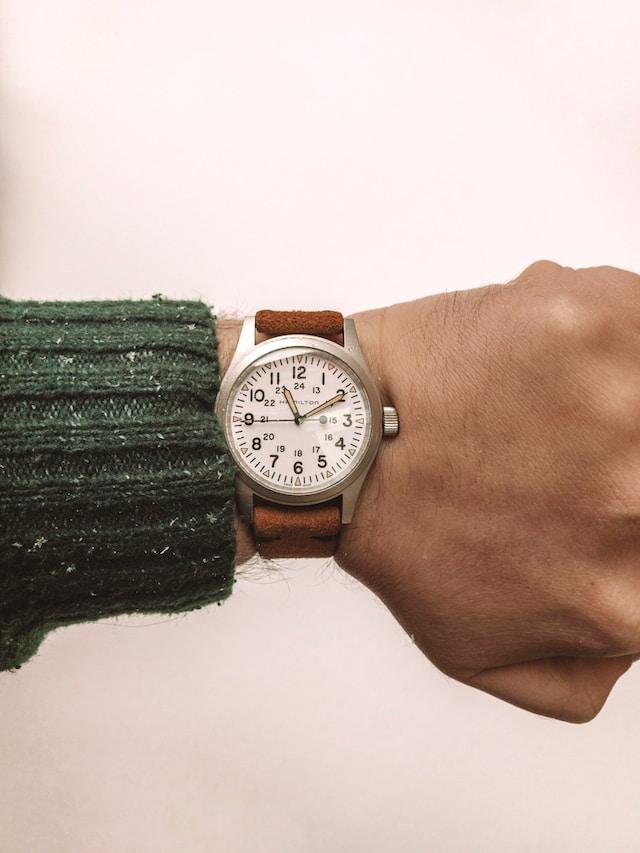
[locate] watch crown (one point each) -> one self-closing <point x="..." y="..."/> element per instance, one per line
<point x="390" y="421"/>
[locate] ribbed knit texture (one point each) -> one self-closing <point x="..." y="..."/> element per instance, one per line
<point x="116" y="489"/>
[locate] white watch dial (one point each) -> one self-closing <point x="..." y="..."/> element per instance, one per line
<point x="298" y="420"/>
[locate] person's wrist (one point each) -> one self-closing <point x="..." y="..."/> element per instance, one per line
<point x="381" y="333"/>
<point x="394" y="341"/>
<point x="376" y="331"/>
<point x="227" y="332"/>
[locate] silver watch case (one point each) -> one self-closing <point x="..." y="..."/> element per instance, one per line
<point x="351" y="354"/>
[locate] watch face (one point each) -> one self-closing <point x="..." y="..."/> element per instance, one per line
<point x="298" y="420"/>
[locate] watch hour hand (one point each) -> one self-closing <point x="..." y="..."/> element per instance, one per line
<point x="292" y="404"/>
<point x="337" y="399"/>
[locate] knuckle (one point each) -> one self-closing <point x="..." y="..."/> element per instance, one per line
<point x="612" y="623"/>
<point x="445" y="654"/>
<point x="618" y="402"/>
<point x="615" y="280"/>
<point x="540" y="271"/>
<point x="614" y="499"/>
<point x="569" y="318"/>
<point x="459" y="665"/>
<point x="574" y="307"/>
<point x="579" y="709"/>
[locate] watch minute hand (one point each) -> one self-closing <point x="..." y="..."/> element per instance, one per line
<point x="338" y="398"/>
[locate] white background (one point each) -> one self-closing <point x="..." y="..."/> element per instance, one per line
<point x="341" y="154"/>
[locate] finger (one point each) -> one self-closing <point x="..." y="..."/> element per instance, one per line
<point x="570" y="689"/>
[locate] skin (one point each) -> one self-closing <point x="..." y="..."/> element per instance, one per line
<point x="502" y="526"/>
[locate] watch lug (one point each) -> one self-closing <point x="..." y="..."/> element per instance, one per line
<point x="247" y="337"/>
<point x="352" y="492"/>
<point x="244" y="500"/>
<point x="351" y="339"/>
<point x="350" y="498"/>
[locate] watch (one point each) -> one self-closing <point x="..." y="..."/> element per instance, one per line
<point x="303" y="419"/>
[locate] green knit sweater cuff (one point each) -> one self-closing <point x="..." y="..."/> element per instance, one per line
<point x="116" y="488"/>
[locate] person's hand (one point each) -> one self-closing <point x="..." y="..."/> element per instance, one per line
<point x="502" y="526"/>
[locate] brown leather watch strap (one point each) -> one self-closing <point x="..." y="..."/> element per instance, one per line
<point x="324" y="323"/>
<point x="283" y="532"/>
<point x="298" y="531"/>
